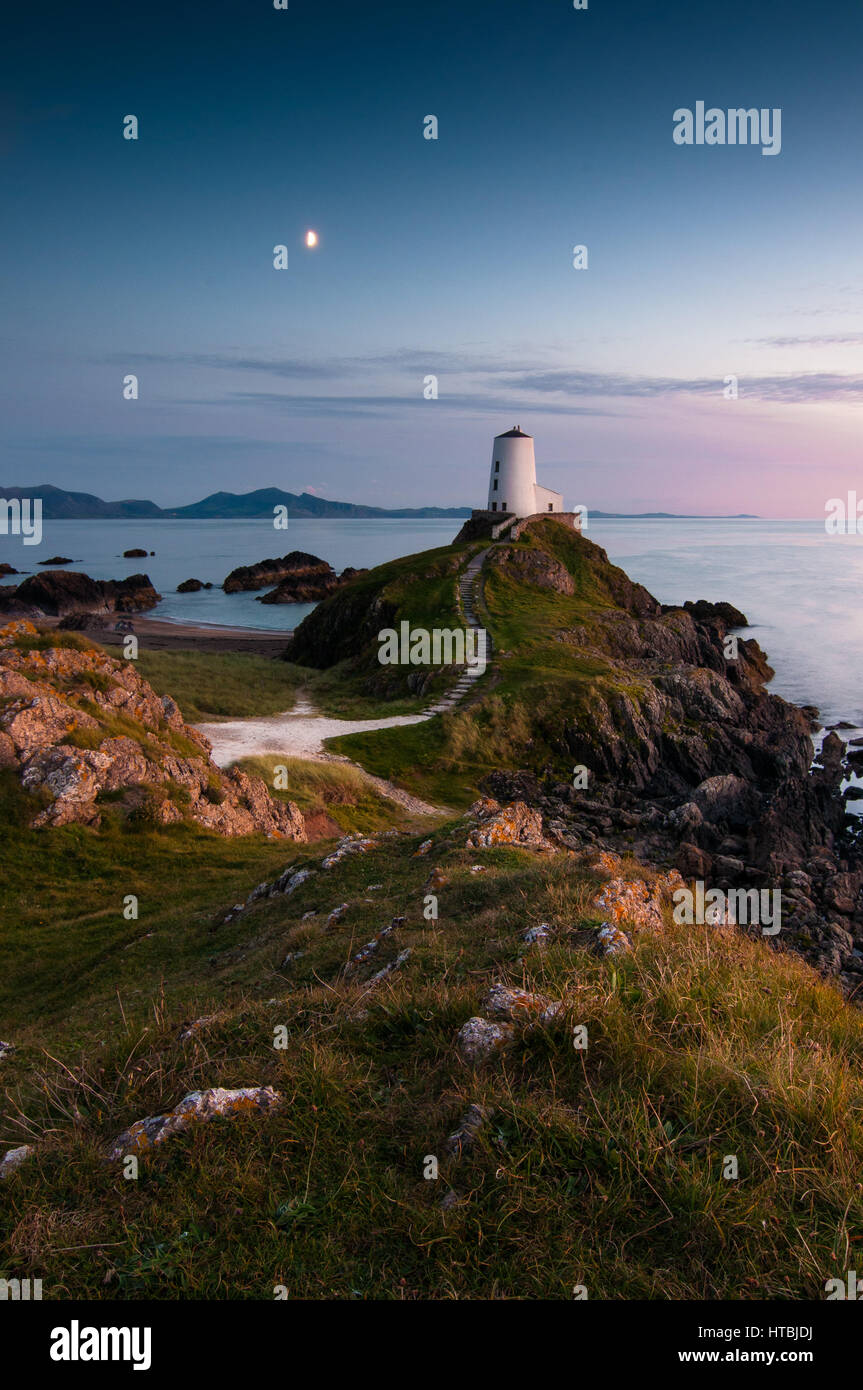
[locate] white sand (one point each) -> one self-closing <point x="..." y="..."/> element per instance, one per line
<point x="300" y="733"/>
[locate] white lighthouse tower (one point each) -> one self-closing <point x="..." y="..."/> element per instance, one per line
<point x="512" y="485"/>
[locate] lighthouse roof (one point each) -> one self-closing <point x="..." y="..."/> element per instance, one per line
<point x="514" y="433"/>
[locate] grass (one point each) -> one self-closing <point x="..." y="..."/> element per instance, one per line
<point x="602" y="1167"/>
<point x="220" y="685"/>
<point x="336" y="790"/>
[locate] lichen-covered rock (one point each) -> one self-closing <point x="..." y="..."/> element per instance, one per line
<point x="351" y="844"/>
<point x="634" y="903"/>
<point x="479" y="1039"/>
<point x="612" y="941"/>
<point x="436" y="880"/>
<point x="11" y="632"/>
<point x="191" y="1030"/>
<point x="605" y="863"/>
<point x="44" y="720"/>
<point x="538" y="935"/>
<point x="287" y="883"/>
<point x="395" y="964"/>
<point x="520" y="1006"/>
<point x="423" y="848"/>
<point x="516" y="824"/>
<point x="13" y="1158"/>
<point x="58" y="727"/>
<point x="196" y="1108"/>
<point x="370" y="948"/>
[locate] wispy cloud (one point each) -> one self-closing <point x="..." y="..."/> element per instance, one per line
<point x="487" y="382"/>
<point x="815" y="340"/>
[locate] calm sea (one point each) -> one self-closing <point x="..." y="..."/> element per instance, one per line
<point x="799" y="587"/>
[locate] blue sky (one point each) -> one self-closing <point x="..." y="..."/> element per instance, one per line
<point x="450" y="257"/>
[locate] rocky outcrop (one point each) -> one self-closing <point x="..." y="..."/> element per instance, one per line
<point x="199" y="1107"/>
<point x="59" y="592"/>
<point x="79" y="726"/>
<point x="515" y="824"/>
<point x="310" y="586"/>
<point x="535" y="567"/>
<point x="300" y="577"/>
<point x="191" y="586"/>
<point x="136" y="554"/>
<point x="346" y="625"/>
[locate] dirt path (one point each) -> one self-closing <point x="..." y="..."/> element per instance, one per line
<point x="300" y="733"/>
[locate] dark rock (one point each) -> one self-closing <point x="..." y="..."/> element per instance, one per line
<point x="190" y="586"/>
<point x="299" y="566"/>
<point x="8" y="569"/>
<point x="57" y="560"/>
<point x="135" y="554"/>
<point x="59" y="592"/>
<point x="693" y="862"/>
<point x="727" y="799"/>
<point x="703" y="611"/>
<point x="82" y="622"/>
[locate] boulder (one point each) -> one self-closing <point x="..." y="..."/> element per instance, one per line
<point x="635" y="904"/>
<point x="479" y="1039"/>
<point x="727" y="799"/>
<point x="516" y="824"/>
<point x="13" y="1158"/>
<point x="520" y="1006"/>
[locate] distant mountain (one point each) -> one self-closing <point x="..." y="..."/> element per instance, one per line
<point x="59" y="505"/>
<point x="302" y="506"/>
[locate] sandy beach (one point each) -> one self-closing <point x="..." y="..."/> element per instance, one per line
<point x="158" y="635"/>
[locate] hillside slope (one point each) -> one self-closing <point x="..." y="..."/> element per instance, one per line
<point x="556" y="1164"/>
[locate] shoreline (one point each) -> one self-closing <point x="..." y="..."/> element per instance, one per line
<point x="167" y="634"/>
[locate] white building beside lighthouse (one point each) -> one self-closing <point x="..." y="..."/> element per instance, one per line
<point x="512" y="486"/>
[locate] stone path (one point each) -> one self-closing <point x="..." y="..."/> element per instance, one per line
<point x="469" y="591"/>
